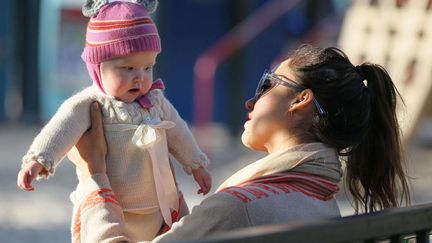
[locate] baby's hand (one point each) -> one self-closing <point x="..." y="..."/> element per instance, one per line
<point x="27" y="175"/>
<point x="203" y="178"/>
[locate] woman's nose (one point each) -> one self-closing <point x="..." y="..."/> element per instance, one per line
<point x="250" y="104"/>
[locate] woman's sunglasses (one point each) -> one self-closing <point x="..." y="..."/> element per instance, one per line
<point x="269" y="80"/>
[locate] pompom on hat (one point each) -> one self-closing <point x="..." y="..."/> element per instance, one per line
<point x="117" y="28"/>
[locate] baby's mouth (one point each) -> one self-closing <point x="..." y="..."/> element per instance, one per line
<point x="134" y="90"/>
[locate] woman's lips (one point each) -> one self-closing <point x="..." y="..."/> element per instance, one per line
<point x="246" y="120"/>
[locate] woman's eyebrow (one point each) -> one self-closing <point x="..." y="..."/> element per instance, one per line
<point x="285" y="77"/>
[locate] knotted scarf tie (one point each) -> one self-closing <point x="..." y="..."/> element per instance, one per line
<point x="144" y="100"/>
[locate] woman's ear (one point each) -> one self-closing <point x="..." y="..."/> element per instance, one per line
<point x="302" y="100"/>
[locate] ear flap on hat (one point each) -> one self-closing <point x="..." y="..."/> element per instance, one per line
<point x="91" y="7"/>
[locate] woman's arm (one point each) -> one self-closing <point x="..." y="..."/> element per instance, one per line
<point x="100" y="216"/>
<point x="216" y="214"/>
<point x="89" y="153"/>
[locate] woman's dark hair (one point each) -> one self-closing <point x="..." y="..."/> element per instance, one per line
<point x="360" y="122"/>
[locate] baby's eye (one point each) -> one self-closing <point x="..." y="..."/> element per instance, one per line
<point x="149" y="68"/>
<point x="127" y="68"/>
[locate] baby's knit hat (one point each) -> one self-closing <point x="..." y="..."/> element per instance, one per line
<point x="117" y="28"/>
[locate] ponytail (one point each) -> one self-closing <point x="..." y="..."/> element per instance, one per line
<point x="360" y="123"/>
<point x="375" y="173"/>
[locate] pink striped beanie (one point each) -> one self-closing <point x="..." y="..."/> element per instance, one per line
<point x="115" y="29"/>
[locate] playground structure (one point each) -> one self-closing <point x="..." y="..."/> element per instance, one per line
<point x="398" y="35"/>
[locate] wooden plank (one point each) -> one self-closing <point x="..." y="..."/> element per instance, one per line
<point x="422" y="236"/>
<point x="399" y="221"/>
<point x="396" y="239"/>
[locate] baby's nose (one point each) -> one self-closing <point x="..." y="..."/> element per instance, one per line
<point x="140" y="75"/>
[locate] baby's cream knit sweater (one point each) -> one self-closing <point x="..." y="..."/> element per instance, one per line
<point x="138" y="144"/>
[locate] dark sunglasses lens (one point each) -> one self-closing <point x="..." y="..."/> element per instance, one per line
<point x="264" y="86"/>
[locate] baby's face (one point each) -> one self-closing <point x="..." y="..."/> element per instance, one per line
<point x="128" y="77"/>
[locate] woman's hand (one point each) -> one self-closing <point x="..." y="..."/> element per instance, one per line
<point x="89" y="154"/>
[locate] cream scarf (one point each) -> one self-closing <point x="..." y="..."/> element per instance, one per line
<point x="314" y="158"/>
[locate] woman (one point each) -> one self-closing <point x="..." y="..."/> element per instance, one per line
<point x="314" y="107"/>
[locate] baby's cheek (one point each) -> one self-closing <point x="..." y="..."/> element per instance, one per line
<point x="147" y="84"/>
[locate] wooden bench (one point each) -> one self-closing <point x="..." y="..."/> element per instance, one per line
<point x="406" y="224"/>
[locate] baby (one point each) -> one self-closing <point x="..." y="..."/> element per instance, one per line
<point x="142" y="128"/>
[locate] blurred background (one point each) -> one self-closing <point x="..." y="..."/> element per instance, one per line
<point x="214" y="52"/>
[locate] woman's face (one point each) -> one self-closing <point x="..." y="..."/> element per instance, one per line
<point x="128" y="77"/>
<point x="268" y="120"/>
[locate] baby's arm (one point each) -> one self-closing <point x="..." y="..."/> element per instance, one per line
<point x="184" y="148"/>
<point x="57" y="137"/>
<point x="203" y="178"/>
<point x="181" y="143"/>
<point x="27" y="175"/>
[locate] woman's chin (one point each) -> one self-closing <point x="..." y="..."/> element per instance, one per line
<point x="250" y="143"/>
<point x="246" y="140"/>
<point x="245" y="144"/>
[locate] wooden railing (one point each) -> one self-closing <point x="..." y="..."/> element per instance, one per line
<point x="407" y="224"/>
